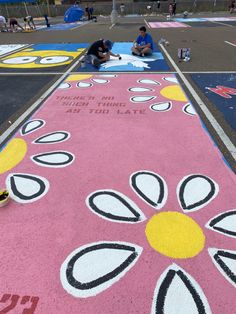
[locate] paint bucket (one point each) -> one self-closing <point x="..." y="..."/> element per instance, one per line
<point x="4" y="197"/>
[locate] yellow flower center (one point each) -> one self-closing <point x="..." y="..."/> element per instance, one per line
<point x="175" y="235"/>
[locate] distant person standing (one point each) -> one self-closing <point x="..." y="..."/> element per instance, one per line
<point x="14" y="25"/>
<point x="122" y="9"/>
<point x="3" y="24"/>
<point x="30" y="22"/>
<point x="158" y="5"/>
<point x="91" y="10"/>
<point x="231" y="6"/>
<point x="87" y="10"/>
<point x="46" y="20"/>
<point x="174" y="7"/>
<point x="170" y="9"/>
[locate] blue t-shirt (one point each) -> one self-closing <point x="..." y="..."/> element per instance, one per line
<point x="147" y="39"/>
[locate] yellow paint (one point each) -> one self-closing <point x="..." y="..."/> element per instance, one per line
<point x="173" y="92"/>
<point x="78" y="77"/>
<point x="40" y="54"/>
<point x="175" y="235"/>
<point x="12" y="154"/>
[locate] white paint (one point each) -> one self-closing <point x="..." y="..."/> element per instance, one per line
<point x="35" y="105"/>
<point x="228" y="223"/>
<point x="64" y="85"/>
<point x="95" y="264"/>
<point x="146" y="23"/>
<point x="53" y="138"/>
<point x="20" y="60"/>
<point x="7" y="49"/>
<point x="33" y="125"/>
<point x="161" y="106"/>
<point x="54" y="59"/>
<point x="110" y="204"/>
<point x="195" y="191"/>
<point x="138" y="99"/>
<point x="147" y="81"/>
<point x="100" y="81"/>
<point x="108" y="75"/>
<point x="178" y="298"/>
<point x="53" y="160"/>
<point x="188" y="109"/>
<point x="150" y="187"/>
<point x="140" y="89"/>
<point x="227" y="42"/>
<point x="218" y="129"/>
<point x="171" y="79"/>
<point x="26" y="186"/>
<point x="84" y="84"/>
<point x="230" y="263"/>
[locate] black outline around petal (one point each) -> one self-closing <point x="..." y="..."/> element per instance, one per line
<point x="41" y="124"/>
<point x="168" y="108"/>
<point x="143" y="196"/>
<point x="28" y="177"/>
<point x="156" y="82"/>
<point x="201" y="202"/>
<point x="220" y="217"/>
<point x="89" y="84"/>
<point x="188" y="113"/>
<point x="94" y="80"/>
<point x="227" y="271"/>
<point x="68" y="85"/>
<point x="163" y="289"/>
<point x="109" y="215"/>
<point x="38" y="161"/>
<point x="144" y="101"/>
<point x="147" y="89"/>
<point x="94" y="283"/>
<point x="66" y="135"/>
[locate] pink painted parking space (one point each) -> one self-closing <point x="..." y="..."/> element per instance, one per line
<point x="120" y="203"/>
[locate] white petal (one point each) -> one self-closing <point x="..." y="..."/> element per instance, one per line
<point x="189" y="109"/>
<point x="225" y="261"/>
<point x="142" y="98"/>
<point x="140" y="89"/>
<point x="26" y="188"/>
<point x="93" y="268"/>
<point x="161" y="106"/>
<point x="171" y="79"/>
<point x="84" y="84"/>
<point x="32" y="126"/>
<point x="224" y="223"/>
<point x="100" y="81"/>
<point x="196" y="191"/>
<point x="55" y="159"/>
<point x="177" y="292"/>
<point x="147" y="81"/>
<point x="64" y="85"/>
<point x="108" y="75"/>
<point x="115" y="206"/>
<point x="54" y="137"/>
<point x="150" y="187"/>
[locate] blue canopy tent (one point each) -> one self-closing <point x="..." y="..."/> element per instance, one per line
<point x="73" y="14"/>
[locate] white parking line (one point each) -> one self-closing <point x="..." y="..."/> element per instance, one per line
<point x="146" y="23"/>
<point x="36" y="104"/>
<point x="218" y="129"/>
<point x="227" y="42"/>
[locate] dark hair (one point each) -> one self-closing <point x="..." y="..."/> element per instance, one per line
<point x="143" y="29"/>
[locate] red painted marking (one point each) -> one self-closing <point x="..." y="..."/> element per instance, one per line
<point x="223" y="91"/>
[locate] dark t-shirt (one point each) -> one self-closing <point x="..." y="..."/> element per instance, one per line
<point x="97" y="47"/>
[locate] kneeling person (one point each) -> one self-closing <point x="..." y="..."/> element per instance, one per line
<point x="144" y="44"/>
<point x="100" y="52"/>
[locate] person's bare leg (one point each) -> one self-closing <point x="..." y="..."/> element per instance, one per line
<point x="135" y="51"/>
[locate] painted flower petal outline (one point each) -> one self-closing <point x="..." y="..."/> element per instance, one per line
<point x="189" y="110"/>
<point x="150" y="187"/>
<point x="148" y="81"/>
<point x="82" y="275"/>
<point x="54" y="159"/>
<point x="224" y="223"/>
<point x="25" y="187"/>
<point x="141" y="99"/>
<point x="115" y="206"/>
<point x="175" y="290"/>
<point x="32" y="126"/>
<point x="225" y="262"/>
<point x="84" y="84"/>
<point x="52" y="137"/>
<point x="191" y="192"/>
<point x="161" y="106"/>
<point x="140" y="89"/>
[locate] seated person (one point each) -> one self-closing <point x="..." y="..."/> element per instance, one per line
<point x="28" y="21"/>
<point x="144" y="44"/>
<point x="14" y="24"/>
<point x="3" y="24"/>
<point x="100" y="51"/>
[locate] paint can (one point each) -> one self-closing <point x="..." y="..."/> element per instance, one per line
<point x="83" y="64"/>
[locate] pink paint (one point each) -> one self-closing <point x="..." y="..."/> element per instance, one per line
<point x="111" y="138"/>
<point x="167" y="24"/>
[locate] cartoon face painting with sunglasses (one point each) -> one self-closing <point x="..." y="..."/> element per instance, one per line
<point x="42" y="56"/>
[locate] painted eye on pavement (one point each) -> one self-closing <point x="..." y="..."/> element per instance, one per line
<point x="54" y="59"/>
<point x="20" y="60"/>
